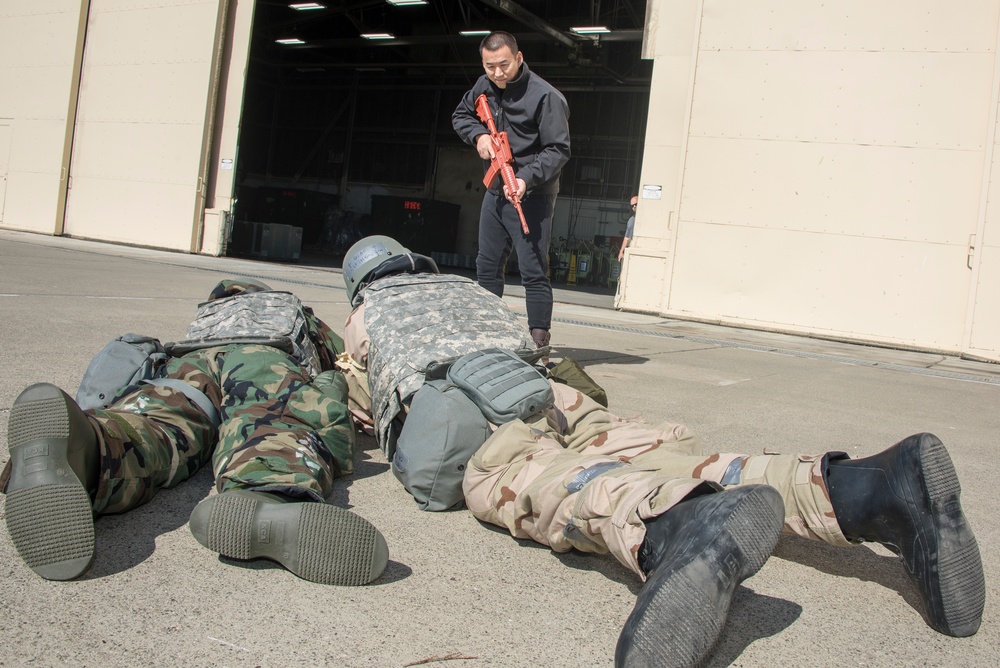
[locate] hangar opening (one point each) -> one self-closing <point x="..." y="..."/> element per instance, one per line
<point x="346" y="126"/>
<point x="804" y="170"/>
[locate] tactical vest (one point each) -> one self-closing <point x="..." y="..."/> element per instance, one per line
<point x="271" y="318"/>
<point x="415" y="319"/>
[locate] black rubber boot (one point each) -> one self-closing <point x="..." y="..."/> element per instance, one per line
<point x="696" y="554"/>
<point x="315" y="541"/>
<point x="54" y="465"/>
<point x="907" y="498"/>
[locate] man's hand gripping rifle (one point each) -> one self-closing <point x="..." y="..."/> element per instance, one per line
<point x="502" y="160"/>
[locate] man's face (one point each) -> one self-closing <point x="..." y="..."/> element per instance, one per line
<point x="501" y="65"/>
<point x="634" y="203"/>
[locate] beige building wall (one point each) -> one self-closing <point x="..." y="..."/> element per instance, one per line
<point x="143" y="127"/>
<point x="40" y="50"/>
<point x="823" y="168"/>
<point x="811" y="167"/>
<point x="228" y="114"/>
<point x="133" y="140"/>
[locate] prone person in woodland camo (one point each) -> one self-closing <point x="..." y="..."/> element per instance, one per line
<point x="273" y="423"/>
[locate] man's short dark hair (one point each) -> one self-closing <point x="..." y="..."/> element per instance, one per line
<point x="497" y="40"/>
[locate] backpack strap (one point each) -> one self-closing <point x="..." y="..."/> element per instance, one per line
<point x="197" y="397"/>
<point x="179" y="348"/>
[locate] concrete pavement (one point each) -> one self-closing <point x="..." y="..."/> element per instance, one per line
<point x="455" y="589"/>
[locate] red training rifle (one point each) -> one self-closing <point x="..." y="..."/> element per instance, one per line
<point x="502" y="160"/>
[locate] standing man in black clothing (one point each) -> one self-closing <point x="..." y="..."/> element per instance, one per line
<point x="535" y="117"/>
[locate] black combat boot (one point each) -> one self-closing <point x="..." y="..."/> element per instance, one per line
<point x="695" y="555"/>
<point x="315" y="541"/>
<point x="907" y="498"/>
<point x="54" y="461"/>
<point x="540" y="336"/>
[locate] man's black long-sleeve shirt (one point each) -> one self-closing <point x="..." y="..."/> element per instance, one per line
<point x="535" y="117"/>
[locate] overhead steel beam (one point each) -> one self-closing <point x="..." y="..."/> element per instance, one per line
<point x="519" y="13"/>
<point x="355" y="43"/>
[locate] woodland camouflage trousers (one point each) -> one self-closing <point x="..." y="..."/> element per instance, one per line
<point x="577" y="476"/>
<point x="279" y="430"/>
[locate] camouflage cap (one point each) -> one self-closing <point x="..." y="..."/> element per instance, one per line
<point x="234" y="286"/>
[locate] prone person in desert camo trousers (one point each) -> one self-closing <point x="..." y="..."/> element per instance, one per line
<point x="692" y="526"/>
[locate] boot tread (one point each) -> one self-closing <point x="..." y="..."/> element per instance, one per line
<point x="939" y="472"/>
<point x="230" y="526"/>
<point x="48" y="511"/>
<point x="681" y="611"/>
<point x="315" y="541"/>
<point x="52" y="528"/>
<point x="39" y="419"/>
<point x="335" y="546"/>
<point x="959" y="564"/>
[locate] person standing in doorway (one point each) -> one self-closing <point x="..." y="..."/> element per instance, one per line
<point x="629" y="228"/>
<point x="535" y="117"/>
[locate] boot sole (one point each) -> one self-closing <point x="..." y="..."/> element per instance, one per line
<point x="49" y="515"/>
<point x="959" y="564"/>
<point x="686" y="610"/>
<point x="315" y="541"/>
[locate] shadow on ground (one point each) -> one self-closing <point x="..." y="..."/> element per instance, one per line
<point x="752" y="616"/>
<point x="125" y="541"/>
<point x="858" y="563"/>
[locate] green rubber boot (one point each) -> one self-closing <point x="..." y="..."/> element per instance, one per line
<point x="315" y="541"/>
<point x="54" y="462"/>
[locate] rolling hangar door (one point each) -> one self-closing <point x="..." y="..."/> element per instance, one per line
<point x="144" y="121"/>
<point x="824" y="169"/>
<point x="41" y="49"/>
<point x="346" y="123"/>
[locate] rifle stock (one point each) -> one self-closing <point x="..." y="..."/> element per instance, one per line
<point x="502" y="161"/>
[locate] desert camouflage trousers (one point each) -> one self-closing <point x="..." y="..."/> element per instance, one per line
<point x="577" y="476"/>
<point x="279" y="430"/>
